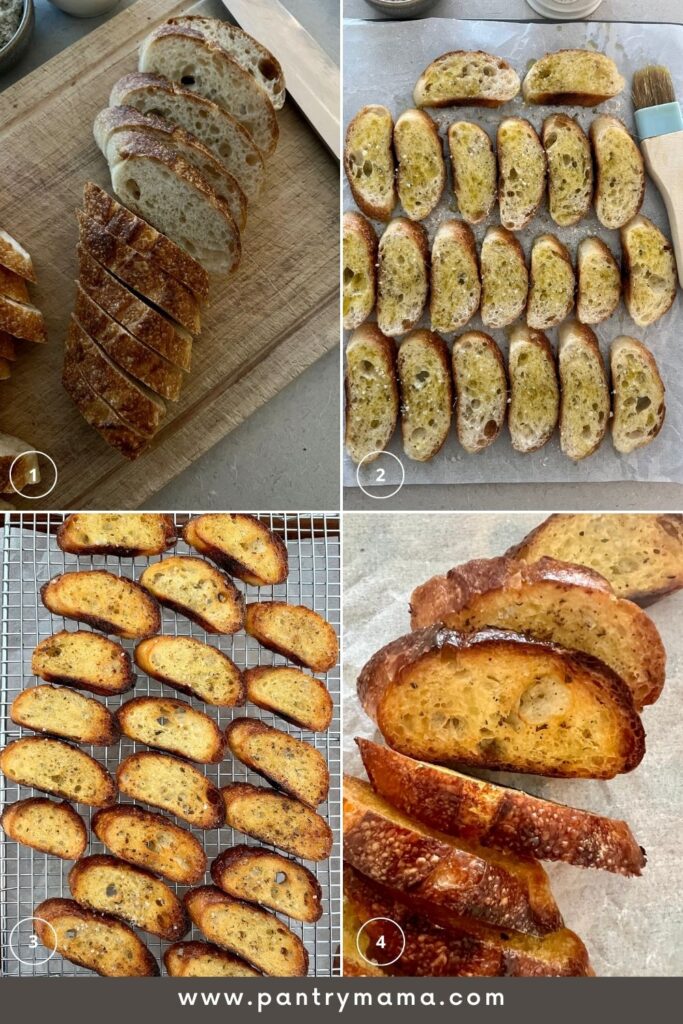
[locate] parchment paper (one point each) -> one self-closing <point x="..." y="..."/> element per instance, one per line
<point x="631" y="926"/>
<point x="382" y="62"/>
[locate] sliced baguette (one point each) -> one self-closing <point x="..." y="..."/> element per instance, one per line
<point x="202" y="960"/>
<point x="620" y="172"/>
<point x="521" y="172"/>
<point x="13" y="286"/>
<point x="466" y="78"/>
<point x="355" y="940"/>
<point x="295" y="631"/>
<point x="455" y="289"/>
<point x="58" y="711"/>
<point x="649" y="268"/>
<point x="174" y="726"/>
<point x="112" y="604"/>
<point x="369" y="161"/>
<point x="504" y="278"/>
<point x="151" y="841"/>
<point x="99" y="415"/>
<point x="473" y="163"/>
<point x="598" y="281"/>
<point x="539" y="708"/>
<point x="23" y="470"/>
<point x="125" y="535"/>
<point x="84" y="660"/>
<point x="277" y="820"/>
<point x="421" y="174"/>
<point x="580" y="78"/>
<point x="426" y="394"/>
<point x="481" y="390"/>
<point x="551" y="283"/>
<point x="254" y="874"/>
<point x="359" y="275"/>
<point x="240" y="544"/>
<point x="534" y="390"/>
<point x="173" y="785"/>
<point x="570" y="169"/>
<point x="46" y="826"/>
<point x="402" y="276"/>
<point x="371" y="393"/>
<point x="14" y="257"/>
<point x="55" y="767"/>
<point x="8" y="346"/>
<point x="291" y="764"/>
<point x="639" y="395"/>
<point x="192" y="587"/>
<point x="192" y="667"/>
<point x="22" y="320"/>
<point x="291" y="694"/>
<point x="585" y="393"/>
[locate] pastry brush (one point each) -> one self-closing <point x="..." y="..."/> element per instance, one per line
<point x="660" y="128"/>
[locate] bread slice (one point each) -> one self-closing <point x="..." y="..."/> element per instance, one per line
<point x="55" y="767"/>
<point x="598" y="281"/>
<point x="84" y="660"/>
<point x="355" y="964"/>
<point x="466" y="78"/>
<point x="5" y="369"/>
<point x="539" y="708"/>
<point x="421" y="173"/>
<point x="58" y="711"/>
<point x="292" y="765"/>
<point x="277" y="820"/>
<point x="184" y="56"/>
<point x="46" y="826"/>
<point x="455" y="290"/>
<point x="369" y="161"/>
<point x="113" y="604"/>
<point x="22" y="320"/>
<point x="8" y="346"/>
<point x="13" y="286"/>
<point x="254" y="874"/>
<point x="620" y="172"/>
<point x="570" y="169"/>
<point x="219" y="131"/>
<point x="639" y="405"/>
<point x="402" y="276"/>
<point x="151" y="841"/>
<point x="14" y="257"/>
<point x="23" y="471"/>
<point x="371" y="393"/>
<point x="551" y="283"/>
<point x="124" y="534"/>
<point x="95" y="941"/>
<point x="192" y="587"/>
<point x="173" y="785"/>
<point x="581" y="78"/>
<point x="504" y="278"/>
<point x="192" y="667"/>
<point x="649" y="268"/>
<point x="495" y="816"/>
<point x="473" y="164"/>
<point x="202" y="960"/>
<point x="534" y="390"/>
<point x="359" y="275"/>
<point x="295" y="696"/>
<point x="295" y="631"/>
<point x="481" y="390"/>
<point x="585" y="394"/>
<point x="111" y="886"/>
<point x="557" y="602"/>
<point x="172" y="725"/>
<point x="249" y="932"/>
<point x="240" y="544"/>
<point x="391" y="849"/>
<point x="521" y="172"/>
<point x="426" y="394"/>
<point x="98" y="414"/>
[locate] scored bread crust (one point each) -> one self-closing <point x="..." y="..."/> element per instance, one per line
<point x="191" y="719"/>
<point x="495" y="412"/>
<point x="228" y="595"/>
<point x="623" y="439"/>
<point x="454" y="98"/>
<point x="555" y="124"/>
<point x="494" y="815"/>
<point x="356" y="415"/>
<point x="308" y="908"/>
<point x="604" y="175"/>
<point x="410" y="178"/>
<point x="584" y="302"/>
<point x="318" y="652"/>
<point x="99" y="415"/>
<point x="355" y="224"/>
<point x="583" y="97"/>
<point x="125" y="590"/>
<point x="281" y="821"/>
<point x="291" y="764"/>
<point x="629" y="267"/>
<point x="102" y="784"/>
<point x="14" y="257"/>
<point x="71" y="544"/>
<point x="143" y="658"/>
<point x="316" y="717"/>
<point x="22" y="320"/>
<point x="376" y="208"/>
<point x="141" y="776"/>
<point x="229" y="560"/>
<point x="124" y="666"/>
<point x="88" y="720"/>
<point x="12" y="814"/>
<point x="202" y="960"/>
<point x="189" y="865"/>
<point x="578" y="334"/>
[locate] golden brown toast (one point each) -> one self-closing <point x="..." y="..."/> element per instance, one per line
<point x="46" y="826"/>
<point x="192" y="587"/>
<point x="192" y="667"/>
<point x="56" y="767"/>
<point x="260" y="876"/>
<point x="241" y="545"/>
<point x="277" y="820"/>
<point x="151" y="841"/>
<point x="172" y="725"/>
<point x="202" y="960"/>
<point x="173" y="785"/>
<point x="291" y="764"/>
<point x="125" y="534"/>
<point x="57" y="711"/>
<point x="293" y="695"/>
<point x="84" y="660"/>
<point x="107" y="602"/>
<point x="294" y="631"/>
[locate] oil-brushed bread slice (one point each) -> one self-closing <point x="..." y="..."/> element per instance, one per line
<point x="371" y="393"/>
<point x="455" y="289"/>
<point x="649" y="268"/>
<point x="203" y="960"/>
<point x="46" y="826"/>
<point x="219" y="131"/>
<point x="504" y="278"/>
<point x="570" y="169"/>
<point x="481" y="390"/>
<point x="151" y="841"/>
<point x="87" y="661"/>
<point x="59" y="711"/>
<point x="598" y="281"/>
<point x="551" y="283"/>
<point x="620" y="172"/>
<point x="124" y="534"/>
<point x="184" y="56"/>
<point x="295" y="631"/>
<point x="473" y="163"/>
<point x="99" y="415"/>
<point x="421" y="174"/>
<point x="254" y="874"/>
<point x="424" y="375"/>
<point x="369" y="161"/>
<point x="172" y="785"/>
<point x="113" y="604"/>
<point x="534" y="389"/>
<point x="192" y="667"/>
<point x="572" y="77"/>
<point x="292" y="694"/>
<point x="466" y="78"/>
<point x="521" y="172"/>
<point x="98" y="942"/>
<point x="240" y="544"/>
<point x="192" y="587"/>
<point x="56" y="767"/>
<point x="13" y="285"/>
<point x="277" y="820"/>
<point x="291" y="764"/>
<point x="174" y="726"/>
<point x="402" y="276"/>
<point x="22" y="320"/>
<point x="359" y="274"/>
<point x="585" y="393"/>
<point x="639" y="406"/>
<point x="14" y="257"/>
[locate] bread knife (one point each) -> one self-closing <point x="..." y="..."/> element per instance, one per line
<point x="312" y="78"/>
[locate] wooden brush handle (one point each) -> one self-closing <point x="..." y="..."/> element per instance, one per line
<point x="664" y="160"/>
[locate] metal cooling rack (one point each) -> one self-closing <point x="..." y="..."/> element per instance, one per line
<point x="30" y="557"/>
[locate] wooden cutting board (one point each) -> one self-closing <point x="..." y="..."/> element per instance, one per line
<point x="262" y="327"/>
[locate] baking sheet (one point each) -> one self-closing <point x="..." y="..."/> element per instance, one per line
<point x="382" y="62"/>
<point x="631" y="926"/>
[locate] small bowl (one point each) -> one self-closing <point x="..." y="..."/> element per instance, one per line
<point x="13" y="50"/>
<point x="403" y="8"/>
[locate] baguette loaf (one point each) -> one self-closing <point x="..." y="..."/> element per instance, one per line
<point x="292" y="765"/>
<point x="174" y="726"/>
<point x="551" y="283"/>
<point x="466" y="78"/>
<point x="254" y="874"/>
<point x="14" y="257"/>
<point x="173" y="785"/>
<point x="599" y="281"/>
<point x="277" y="820"/>
<point x="192" y="667"/>
<point x="125" y="535"/>
<point x="296" y="632"/>
<point x="369" y="161"/>
<point x="13" y="286"/>
<point x="421" y="173"/>
<point x="534" y="390"/>
<point x="58" y="711"/>
<point x="192" y="587"/>
<point x="473" y="164"/>
<point x="85" y="660"/>
<point x="99" y="415"/>
<point x="481" y="390"/>
<point x="504" y="278"/>
<point x="22" y="320"/>
<point x="570" y="169"/>
<point x="55" y="767"/>
<point x="649" y="268"/>
<point x="360" y="270"/>
<point x="620" y="172"/>
<point x="46" y="826"/>
<point x="202" y="960"/>
<point x="584" y="388"/>
<point x="151" y="841"/>
<point x="426" y="394"/>
<point x="521" y="172"/>
<point x="455" y="287"/>
<point x="402" y="276"/>
<point x="581" y="78"/>
<point x="371" y="393"/>
<point x="639" y="393"/>
<point x="107" y="602"/>
<point x="291" y="694"/>
<point x="240" y="544"/>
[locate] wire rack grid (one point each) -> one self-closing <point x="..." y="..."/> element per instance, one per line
<point x="30" y="557"/>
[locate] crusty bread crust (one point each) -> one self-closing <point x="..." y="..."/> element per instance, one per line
<point x="141" y="776"/>
<point x="13" y="286"/>
<point x="13" y="813"/>
<point x="318" y="649"/>
<point x="195" y="534"/>
<point x="68" y="541"/>
<point x="291" y="764"/>
<point x="151" y="841"/>
<point x="305" y="906"/>
<point x="122" y="588"/>
<point x="124" y="677"/>
<point x="202" y="960"/>
<point x="99" y="415"/>
<point x="15" y="258"/>
<point x="281" y="821"/>
<point x="22" y="321"/>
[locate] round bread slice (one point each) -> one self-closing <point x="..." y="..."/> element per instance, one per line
<point x="55" y="767"/>
<point x="466" y="78"/>
<point x="369" y="161"/>
<point x="111" y="603"/>
<point x="192" y="667"/>
<point x="371" y="393"/>
<point x="421" y="172"/>
<point x="481" y="390"/>
<point x="424" y="375"/>
<point x="295" y="631"/>
<point x="573" y="78"/>
<point x="84" y="660"/>
<point x="359" y="275"/>
<point x="639" y="395"/>
<point x="598" y="281"/>
<point x="534" y="390"/>
<point x="291" y="764"/>
<point x="260" y="876"/>
<point x="570" y="169"/>
<point x="522" y="170"/>
<point x="172" y="725"/>
<point x="151" y="841"/>
<point x="46" y="826"/>
<point x="551" y="283"/>
<point x="192" y="587"/>
<point x="455" y="289"/>
<point x="58" y="711"/>
<point x="402" y="276"/>
<point x="293" y="695"/>
<point x="173" y="785"/>
<point x="620" y="172"/>
<point x="124" y="534"/>
<point x="242" y="545"/>
<point x="584" y="391"/>
<point x="202" y="960"/>
<point x="473" y="163"/>
<point x="277" y="820"/>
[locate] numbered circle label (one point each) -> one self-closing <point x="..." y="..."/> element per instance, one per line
<point x="25" y="945"/>
<point x="385" y="941"/>
<point x="373" y="472"/>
